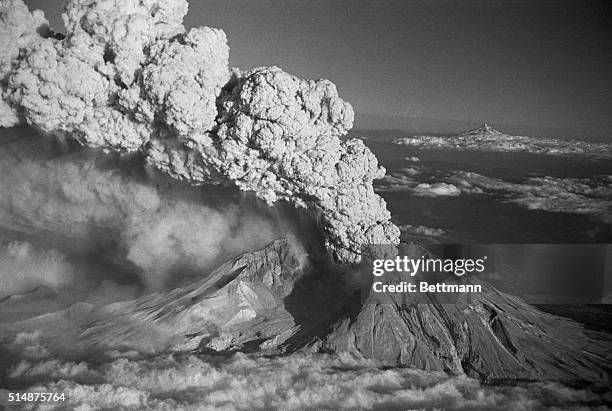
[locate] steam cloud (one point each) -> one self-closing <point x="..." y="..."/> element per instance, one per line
<point x="127" y="77"/>
<point x="158" y="229"/>
<point x="24" y="267"/>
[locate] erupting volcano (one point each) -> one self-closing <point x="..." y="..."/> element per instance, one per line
<point x="127" y="79"/>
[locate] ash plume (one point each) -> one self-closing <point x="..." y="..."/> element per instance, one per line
<point x="127" y="76"/>
<point x="145" y="225"/>
<point x="24" y="268"/>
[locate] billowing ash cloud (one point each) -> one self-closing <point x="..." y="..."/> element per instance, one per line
<point x="78" y="202"/>
<point x="127" y="76"/>
<point x="24" y="267"/>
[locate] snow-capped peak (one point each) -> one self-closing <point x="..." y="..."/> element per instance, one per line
<point x="483" y="129"/>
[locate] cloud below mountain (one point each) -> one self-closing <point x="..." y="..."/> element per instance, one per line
<point x="588" y="195"/>
<point x="291" y="383"/>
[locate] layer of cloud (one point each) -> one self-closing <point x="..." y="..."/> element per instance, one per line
<point x="406" y="180"/>
<point x="486" y="138"/>
<point x="298" y="381"/>
<point x="24" y="267"/>
<point x="436" y="190"/>
<point x="422" y="230"/>
<point x="590" y="196"/>
<point x="396" y="182"/>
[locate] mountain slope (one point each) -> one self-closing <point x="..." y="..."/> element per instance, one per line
<point x="273" y="301"/>
<point x="492" y="336"/>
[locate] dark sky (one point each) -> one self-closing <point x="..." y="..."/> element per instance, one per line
<point x="536" y="63"/>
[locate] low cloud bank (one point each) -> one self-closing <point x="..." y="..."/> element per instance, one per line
<point x="486" y="138"/>
<point x="422" y="230"/>
<point x="396" y="182"/>
<point x="590" y="196"/>
<point x="436" y="190"/>
<point x="298" y="381"/>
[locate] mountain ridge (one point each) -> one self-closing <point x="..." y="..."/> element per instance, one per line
<point x="272" y="301"/>
<point x="424" y="125"/>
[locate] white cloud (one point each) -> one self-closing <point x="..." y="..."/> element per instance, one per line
<point x="436" y="190"/>
<point x="563" y="195"/>
<point x="24" y="267"/>
<point x="395" y="182"/>
<point x="296" y="382"/>
<point x="411" y="171"/>
<point x="421" y="230"/>
<point x="591" y="196"/>
<point x="492" y="140"/>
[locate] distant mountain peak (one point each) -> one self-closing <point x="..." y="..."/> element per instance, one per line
<point x="482" y="129"/>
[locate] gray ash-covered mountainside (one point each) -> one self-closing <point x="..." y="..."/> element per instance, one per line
<point x="239" y="304"/>
<point x="489" y="335"/>
<point x="276" y="300"/>
<point x="493" y="337"/>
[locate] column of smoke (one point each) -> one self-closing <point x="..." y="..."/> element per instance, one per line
<point x="99" y="224"/>
<point x="128" y="77"/>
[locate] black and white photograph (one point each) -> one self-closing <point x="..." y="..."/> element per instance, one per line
<point x="305" y="205"/>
